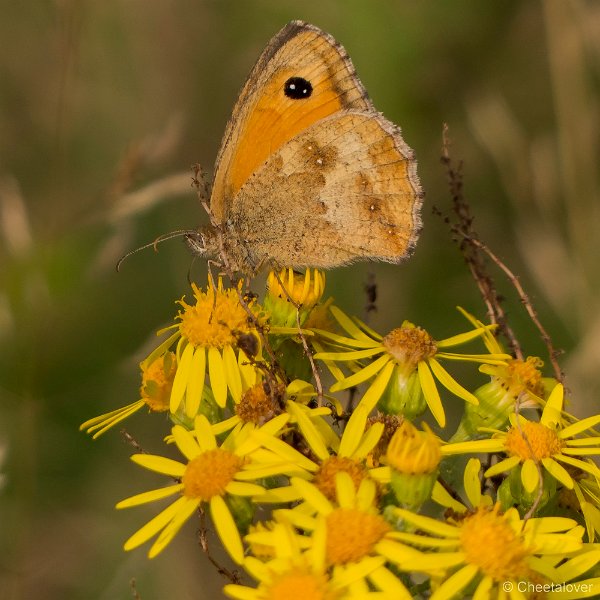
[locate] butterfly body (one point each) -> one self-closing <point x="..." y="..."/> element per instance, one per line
<point x="309" y="173"/>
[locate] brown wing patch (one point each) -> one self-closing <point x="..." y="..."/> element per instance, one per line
<point x="265" y="118"/>
<point x="322" y="158"/>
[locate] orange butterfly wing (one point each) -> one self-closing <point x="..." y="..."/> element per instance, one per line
<point x="267" y="114"/>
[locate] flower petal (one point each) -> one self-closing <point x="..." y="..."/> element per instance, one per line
<point x="440" y="495"/>
<point x="168" y="533"/>
<point x="362" y="375"/>
<point x="463" y="338"/>
<point x="558" y="472"/>
<point x="353" y="433"/>
<point x="455" y="583"/>
<point x="504" y="465"/>
<point x="218" y="378"/>
<point x="312" y="495"/>
<point x="450" y="383"/>
<point x="181" y="377"/>
<point x="432" y="396"/>
<point x="242" y="488"/>
<point x="285" y="451"/>
<point x="103" y="423"/>
<point x="553" y="408"/>
<point x="580" y="426"/>
<point x="369" y="440"/>
<point x="388" y="583"/>
<point x="308" y="430"/>
<point x="155" y="525"/>
<point x="226" y="529"/>
<point x="373" y="394"/>
<point x="592" y="469"/>
<point x="204" y="434"/>
<point x="345" y="491"/>
<point x="195" y="387"/>
<point x="150" y="496"/>
<point x="472" y="481"/>
<point x="475" y="446"/>
<point x="349" y="325"/>
<point x="351" y="355"/>
<point x="185" y="442"/>
<point x="530" y="476"/>
<point x="239" y="592"/>
<point x="575" y="567"/>
<point x="427" y="523"/>
<point x="232" y="373"/>
<point x="159" y="464"/>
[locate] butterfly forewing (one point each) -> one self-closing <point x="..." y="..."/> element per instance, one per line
<point x="302" y="77"/>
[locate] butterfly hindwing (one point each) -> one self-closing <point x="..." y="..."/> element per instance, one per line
<point x="350" y="191"/>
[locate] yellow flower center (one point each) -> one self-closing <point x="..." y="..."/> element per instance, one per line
<point x="352" y="534"/>
<point x="256" y="406"/>
<point x="490" y="543"/>
<point x="157" y="381"/>
<point x="299" y="584"/>
<point x="414" y="452"/>
<point x="216" y="318"/>
<point x="209" y="473"/>
<point x="532" y="440"/>
<point x="409" y="344"/>
<point x="325" y="476"/>
<point x="524" y="376"/>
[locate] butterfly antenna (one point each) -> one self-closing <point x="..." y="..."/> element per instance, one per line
<point x="154" y="244"/>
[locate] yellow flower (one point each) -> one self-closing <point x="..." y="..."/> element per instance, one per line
<point x="287" y="290"/>
<point x="295" y="571"/>
<point x="333" y="454"/>
<point x="516" y="382"/>
<point x="266" y="399"/>
<point x="405" y="370"/>
<point x="585" y="499"/>
<point x="548" y="443"/>
<point x="487" y="553"/>
<point x="212" y="473"/>
<point x="157" y="380"/>
<point x="358" y="540"/>
<point x="208" y="338"/>
<point x="414" y="457"/>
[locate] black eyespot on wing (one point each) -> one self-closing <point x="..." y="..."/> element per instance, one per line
<point x="297" y="88"/>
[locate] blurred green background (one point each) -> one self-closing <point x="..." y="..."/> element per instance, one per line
<point x="103" y="108"/>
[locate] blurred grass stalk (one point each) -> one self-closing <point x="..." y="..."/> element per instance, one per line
<point x="553" y="183"/>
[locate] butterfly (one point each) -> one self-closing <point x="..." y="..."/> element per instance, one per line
<point x="309" y="173"/>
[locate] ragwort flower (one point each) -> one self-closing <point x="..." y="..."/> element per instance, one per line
<point x="333" y="454"/>
<point x="487" y="553"/>
<point x="548" y="443"/>
<point x="296" y="572"/>
<point x="212" y="473"/>
<point x="207" y="339"/>
<point x="158" y="373"/>
<point x="517" y="382"/>
<point x="406" y="368"/>
<point x="358" y="540"/>
<point x="287" y="290"/>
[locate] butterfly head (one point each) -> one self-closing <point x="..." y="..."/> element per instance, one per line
<point x="202" y="242"/>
